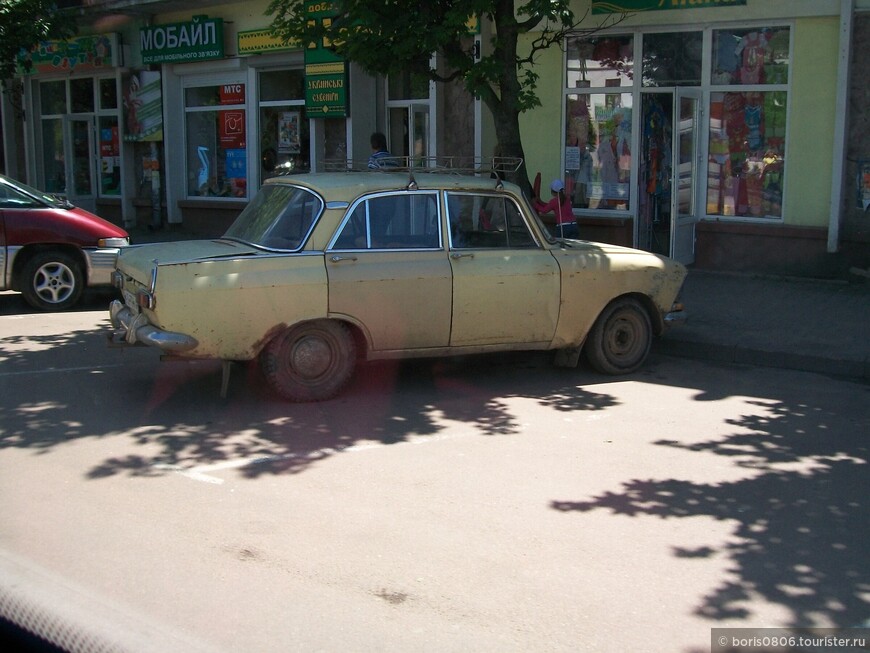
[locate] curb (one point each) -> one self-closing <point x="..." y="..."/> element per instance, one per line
<point x="737" y="355"/>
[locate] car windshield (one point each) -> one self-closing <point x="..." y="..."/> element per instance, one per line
<point x="279" y="217"/>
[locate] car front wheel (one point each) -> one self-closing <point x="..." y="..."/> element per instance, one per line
<point x="620" y="339"/>
<point x="311" y="361"/>
<point x="52" y="281"/>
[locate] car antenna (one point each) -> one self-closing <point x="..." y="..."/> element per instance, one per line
<point x="412" y="183"/>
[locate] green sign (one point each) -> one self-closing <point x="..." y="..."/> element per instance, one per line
<point x="325" y="73"/>
<point x="198" y="40"/>
<point x="326" y="90"/>
<point x="257" y="41"/>
<point x="631" y="6"/>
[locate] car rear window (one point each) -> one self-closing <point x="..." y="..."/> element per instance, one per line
<point x="279" y="217"/>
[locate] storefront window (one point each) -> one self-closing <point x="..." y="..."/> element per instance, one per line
<point x="335" y="139"/>
<point x="750" y="56"/>
<point x="284" y="133"/>
<point x="672" y="59"/>
<point x="108" y="93"/>
<point x="747" y="127"/>
<point x="601" y="62"/>
<point x="408" y="86"/>
<point x="52" y="98"/>
<point x="216" y="140"/>
<point x="747" y="153"/>
<point x="598" y="150"/>
<point x="82" y="94"/>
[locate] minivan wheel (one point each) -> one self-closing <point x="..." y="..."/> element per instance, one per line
<point x="52" y="281"/>
<point x="311" y="361"/>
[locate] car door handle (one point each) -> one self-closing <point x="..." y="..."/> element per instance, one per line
<point x="336" y="258"/>
<point x="458" y="255"/>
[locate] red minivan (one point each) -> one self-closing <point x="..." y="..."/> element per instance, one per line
<point x="50" y="250"/>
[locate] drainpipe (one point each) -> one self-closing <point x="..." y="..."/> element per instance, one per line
<point x="847" y="9"/>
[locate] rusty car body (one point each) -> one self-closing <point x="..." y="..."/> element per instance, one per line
<point x="324" y="269"/>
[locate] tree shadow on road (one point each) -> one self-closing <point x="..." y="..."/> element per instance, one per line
<point x="800" y="513"/>
<point x="174" y="417"/>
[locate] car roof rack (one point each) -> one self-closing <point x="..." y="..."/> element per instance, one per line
<point x="457" y="165"/>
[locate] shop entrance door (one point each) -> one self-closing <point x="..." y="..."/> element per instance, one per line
<point x="409" y="132"/>
<point x="79" y="146"/>
<point x="687" y="163"/>
<point x="668" y="173"/>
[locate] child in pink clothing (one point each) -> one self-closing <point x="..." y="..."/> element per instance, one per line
<point x="564" y="224"/>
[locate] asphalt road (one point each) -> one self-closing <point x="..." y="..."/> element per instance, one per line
<point x="479" y="503"/>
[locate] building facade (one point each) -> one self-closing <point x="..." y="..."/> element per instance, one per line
<point x="717" y="132"/>
<point x="724" y="133"/>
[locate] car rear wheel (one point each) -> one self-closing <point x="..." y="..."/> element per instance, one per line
<point x="311" y="361"/>
<point x="621" y="338"/>
<point x="52" y="281"/>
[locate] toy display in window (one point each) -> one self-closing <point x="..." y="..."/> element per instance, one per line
<point x="751" y="53"/>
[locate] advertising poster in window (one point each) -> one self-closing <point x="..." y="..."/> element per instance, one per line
<point x="110" y="160"/>
<point x="231" y="128"/>
<point x="288" y="133"/>
<point x="143" y="101"/>
<point x="236" y="171"/>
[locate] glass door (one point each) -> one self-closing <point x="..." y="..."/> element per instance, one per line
<point x="79" y="135"/>
<point x="655" y="172"/>
<point x="409" y="132"/>
<point x="420" y="131"/>
<point x="684" y="182"/>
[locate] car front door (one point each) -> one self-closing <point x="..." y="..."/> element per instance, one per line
<point x="388" y="271"/>
<point x="505" y="285"/>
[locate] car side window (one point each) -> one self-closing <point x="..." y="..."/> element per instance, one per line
<point x="12" y="199"/>
<point x="396" y="221"/>
<point x="486" y="221"/>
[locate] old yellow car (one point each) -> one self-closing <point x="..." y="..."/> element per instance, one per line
<point x="323" y="270"/>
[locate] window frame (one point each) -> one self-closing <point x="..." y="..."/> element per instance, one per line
<point x="365" y="200"/>
<point x="288" y="105"/>
<point x="478" y="205"/>
<point x="707" y="88"/>
<point x="204" y="81"/>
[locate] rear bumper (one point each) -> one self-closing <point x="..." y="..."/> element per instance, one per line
<point x="134" y="329"/>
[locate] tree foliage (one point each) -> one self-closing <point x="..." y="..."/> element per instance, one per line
<point x="23" y="23"/>
<point x="392" y="36"/>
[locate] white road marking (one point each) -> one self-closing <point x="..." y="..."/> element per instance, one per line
<point x="55" y="370"/>
<point x="202" y="473"/>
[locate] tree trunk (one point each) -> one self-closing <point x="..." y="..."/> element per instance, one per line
<point x="504" y="104"/>
<point x="507" y="131"/>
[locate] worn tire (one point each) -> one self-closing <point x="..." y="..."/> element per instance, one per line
<point x="52" y="281"/>
<point x="311" y="361"/>
<point x="620" y="339"/>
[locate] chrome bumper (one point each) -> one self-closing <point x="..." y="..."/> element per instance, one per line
<point x="130" y="329"/>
